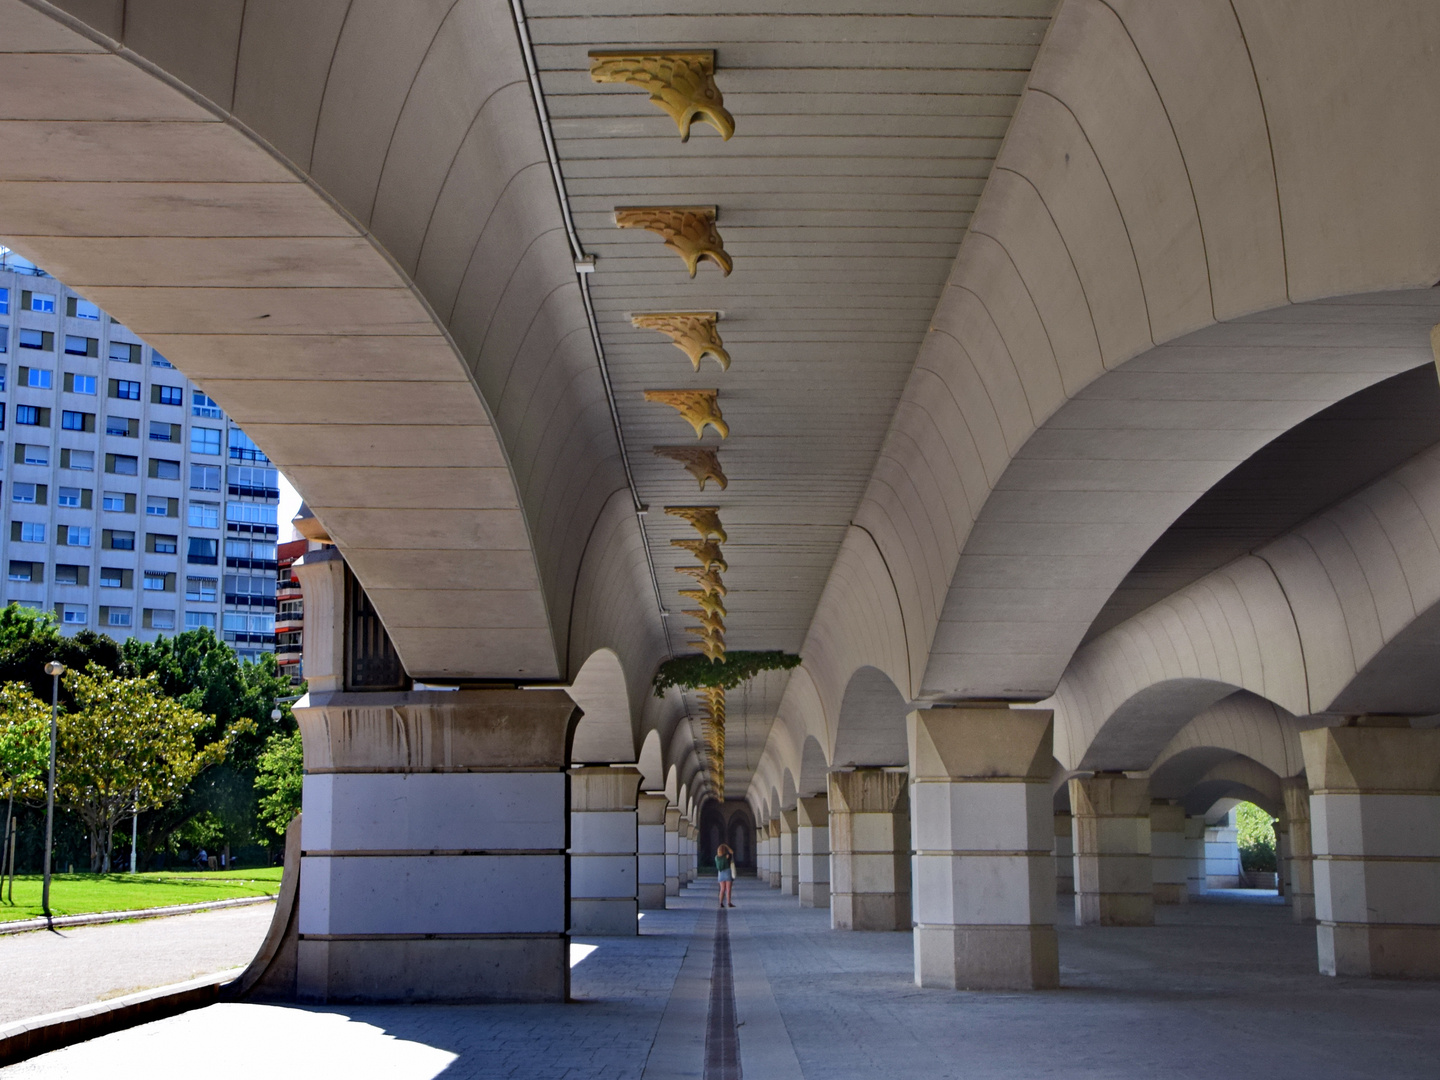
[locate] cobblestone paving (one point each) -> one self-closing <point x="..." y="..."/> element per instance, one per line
<point x="620" y="990"/>
<point x="1213" y="991"/>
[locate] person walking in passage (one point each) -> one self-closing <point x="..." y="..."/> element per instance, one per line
<point x="725" y="867"/>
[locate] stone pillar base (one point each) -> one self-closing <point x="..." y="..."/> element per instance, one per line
<point x="456" y="970"/>
<point x="987" y="957"/>
<point x="815" y="894"/>
<point x="1170" y="893"/>
<point x="652" y="897"/>
<point x="1114" y="909"/>
<point x="603" y="918"/>
<point x="870" y="911"/>
<point x="1395" y="952"/>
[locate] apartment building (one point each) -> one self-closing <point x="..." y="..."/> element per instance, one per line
<point x="132" y="504"/>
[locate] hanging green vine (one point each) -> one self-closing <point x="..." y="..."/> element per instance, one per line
<point x="696" y="671"/>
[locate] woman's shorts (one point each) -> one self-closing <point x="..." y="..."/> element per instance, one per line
<point x="727" y="875"/>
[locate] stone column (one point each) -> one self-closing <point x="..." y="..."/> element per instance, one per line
<point x="1375" y="827"/>
<point x="1169" y="869"/>
<point x="672" y="852"/>
<point x="789" y="857"/>
<point x="776" y="852"/>
<point x="434" y="834"/>
<point x="762" y="852"/>
<point x="1112" y="851"/>
<point x="603" y="850"/>
<point x="869" y="850"/>
<point x="650" y="837"/>
<point x="1301" y="864"/>
<point x="984" y="866"/>
<point x="1064" y="856"/>
<point x="687" y="848"/>
<point x="1282" y="855"/>
<point x="812" y="845"/>
<point x="1195" y="856"/>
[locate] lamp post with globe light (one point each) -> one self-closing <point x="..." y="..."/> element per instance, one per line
<point x="54" y="669"/>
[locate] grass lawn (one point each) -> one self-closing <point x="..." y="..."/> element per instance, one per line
<point x="82" y="894"/>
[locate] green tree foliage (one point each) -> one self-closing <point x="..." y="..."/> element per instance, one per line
<point x="29" y="639"/>
<point x="24" y="743"/>
<point x="279" y="779"/>
<point x="1255" y="836"/>
<point x="126" y="744"/>
<point x="691" y="672"/>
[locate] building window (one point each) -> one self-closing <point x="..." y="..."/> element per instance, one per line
<point x="83" y="309"/>
<point x="113" y="500"/>
<point x="124" y="353"/>
<point x="155" y="582"/>
<point x="78" y="345"/>
<point x="156" y="360"/>
<point x="21" y="571"/>
<point x="37" y="339"/>
<point x="67" y="574"/>
<point x="76" y="421"/>
<point x="75" y="614"/>
<point x="4" y="345"/>
<point x="161" y="469"/>
<point x="252" y="513"/>
<point x="28" y="415"/>
<point x="162" y="544"/>
<point x="67" y="496"/>
<point x="118" y="425"/>
<point x="82" y="384"/>
<point x="122" y="464"/>
<point x="23" y="493"/>
<point x="121" y="540"/>
<point x="82" y="460"/>
<point x="246" y="585"/>
<point x="4" y="301"/>
<point x="77" y="535"/>
<point x="32" y="532"/>
<point x="160" y="620"/>
<point x="204" y="515"/>
<point x="38" y="378"/>
<point x="254" y="478"/>
<point x="201" y="588"/>
<point x="111" y="578"/>
<point x="203" y="405"/>
<point x="157" y="506"/>
<point x="118" y="617"/>
<point x="203" y="550"/>
<point x="161" y="431"/>
<point x="204" y="477"/>
<point x="2" y="349"/>
<point x="204" y="440"/>
<point x="167" y="395"/>
<point x="243" y="448"/>
<point x="30" y="454"/>
<point x="42" y="302"/>
<point x="125" y="389"/>
<point x="199" y="620"/>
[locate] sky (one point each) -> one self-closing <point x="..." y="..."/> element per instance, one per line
<point x="289" y="507"/>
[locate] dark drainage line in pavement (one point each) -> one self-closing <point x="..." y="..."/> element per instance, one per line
<point x="722" y="1043"/>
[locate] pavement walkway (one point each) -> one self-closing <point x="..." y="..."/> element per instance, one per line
<point x="45" y="971"/>
<point x="1214" y="990"/>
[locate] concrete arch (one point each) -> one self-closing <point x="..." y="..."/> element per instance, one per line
<point x="651" y="764"/>
<point x="1083" y="381"/>
<point x="1201" y="777"/>
<point x="788" y="791"/>
<point x="672" y="785"/>
<point x="1244" y="725"/>
<point x="606" y="732"/>
<point x="349" y="203"/>
<point x="814" y="769"/>
<point x="1326" y="619"/>
<point x="871" y="726"/>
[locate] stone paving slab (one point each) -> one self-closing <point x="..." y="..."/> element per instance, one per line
<point x="1213" y="991"/>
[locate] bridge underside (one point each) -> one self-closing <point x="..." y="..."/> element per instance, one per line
<point x="1055" y="379"/>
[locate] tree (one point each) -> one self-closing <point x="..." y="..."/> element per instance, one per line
<point x="126" y="745"/>
<point x="205" y="674"/>
<point x="280" y="777"/>
<point x="1255" y="836"/>
<point x="29" y="639"/>
<point x="24" y="751"/>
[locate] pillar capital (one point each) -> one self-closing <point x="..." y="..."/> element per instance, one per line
<point x="981" y="744"/>
<point x="437" y="731"/>
<point x="321" y="575"/>
<point x="604" y="787"/>
<point x="813" y="812"/>
<point x="868" y="791"/>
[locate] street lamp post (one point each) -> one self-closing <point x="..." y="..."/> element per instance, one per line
<point x="54" y="669"/>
